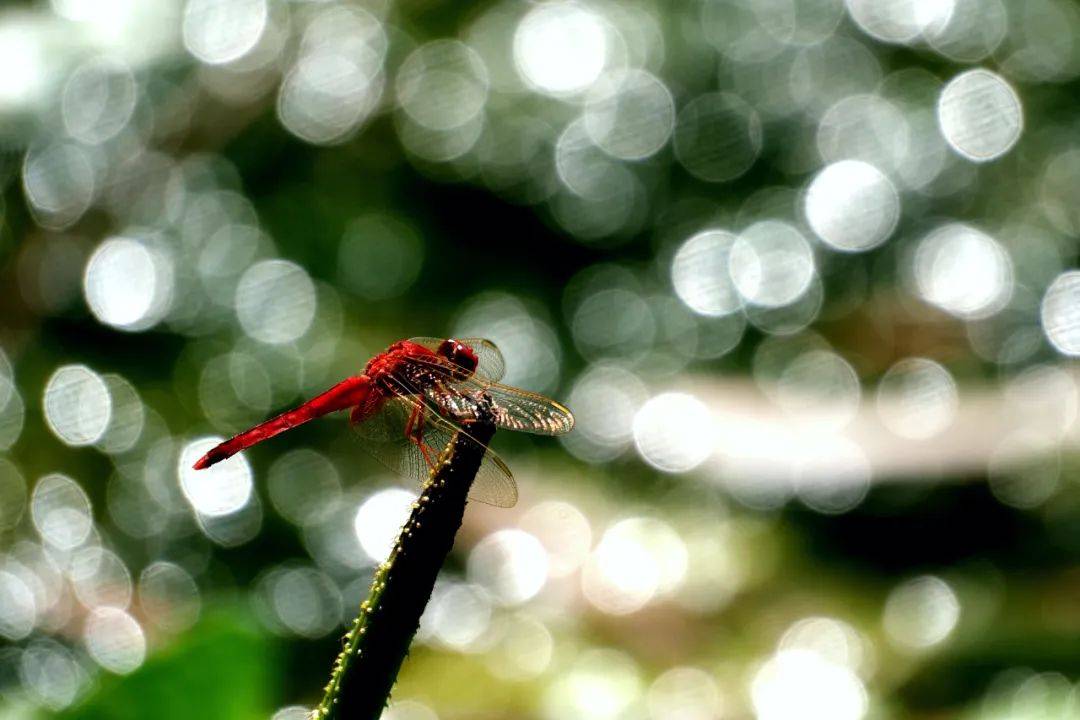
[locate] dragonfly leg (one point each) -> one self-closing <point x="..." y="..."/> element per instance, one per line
<point x="414" y="430"/>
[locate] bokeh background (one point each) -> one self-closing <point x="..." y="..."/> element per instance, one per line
<point x="804" y="269"/>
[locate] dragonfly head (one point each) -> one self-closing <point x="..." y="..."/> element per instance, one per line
<point x="460" y="355"/>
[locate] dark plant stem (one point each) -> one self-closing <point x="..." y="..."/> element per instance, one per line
<point x="375" y="647"/>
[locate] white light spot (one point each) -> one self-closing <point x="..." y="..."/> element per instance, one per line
<point x="802" y="685"/>
<point x="832" y="474"/>
<point x="218" y="490"/>
<point x="630" y="115"/>
<point x="169" y="597"/>
<point x="685" y="693"/>
<point x="404" y="710"/>
<point x="636" y="560"/>
<point x="600" y="685"/>
<point x="605" y="399"/>
<point x="980" y="115"/>
<point x="128" y="416"/>
<point x="921" y="612"/>
<point x="21" y="55"/>
<point x="442" y="85"/>
<point x="865" y="127"/>
<point x="275" y="301"/>
<point x="303" y="601"/>
<point x="60" y="511"/>
<point x="221" y="31"/>
<point x="51" y="674"/>
<point x="561" y="48"/>
<point x="77" y="405"/>
<point x="852" y="206"/>
<point x="115" y="640"/>
<point x="771" y="264"/>
<point x="973" y="31"/>
<point x="327" y="95"/>
<point x="1060" y="313"/>
<point x="917" y="398"/>
<point x="99" y="578"/>
<point x="59" y="183"/>
<point x="820" y="388"/>
<point x="564" y="532"/>
<point x="899" y="21"/>
<point x="832" y="639"/>
<point x="379" y="520"/>
<point x="701" y="274"/>
<point x="98" y="100"/>
<point x="460" y="615"/>
<point x="299" y="712"/>
<point x="509" y="564"/>
<point x="235" y="528"/>
<point x="18" y="609"/>
<point x="673" y="432"/>
<point x="963" y="271"/>
<point x="1024" y="470"/>
<point x="582" y="166"/>
<point x="523" y="650"/>
<point x="128" y="284"/>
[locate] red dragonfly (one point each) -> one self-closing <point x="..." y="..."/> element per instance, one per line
<point x="410" y="401"/>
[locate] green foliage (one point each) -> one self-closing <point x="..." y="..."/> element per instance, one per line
<point x="225" y="668"/>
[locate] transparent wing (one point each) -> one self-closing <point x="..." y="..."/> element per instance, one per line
<point x="515" y="409"/>
<point x="384" y="436"/>
<point x="490" y="366"/>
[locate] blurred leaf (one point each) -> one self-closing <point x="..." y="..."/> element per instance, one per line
<point x="223" y="668"/>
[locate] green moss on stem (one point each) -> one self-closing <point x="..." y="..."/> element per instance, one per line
<point x="375" y="647"/>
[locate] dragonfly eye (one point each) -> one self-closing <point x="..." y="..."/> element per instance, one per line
<point x="460" y="355"/>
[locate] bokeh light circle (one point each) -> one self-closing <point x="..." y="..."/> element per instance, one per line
<point x="917" y="398"/>
<point x="510" y="564"/>
<point x="963" y="271"/>
<point x="630" y="115"/>
<point x="77" y="405"/>
<point x="772" y="264"/>
<point x="1060" y="313"/>
<point x="60" y="511"/>
<point x="216" y="491"/>
<point x="673" y="432"/>
<point x="799" y="683"/>
<point x="561" y="47"/>
<point x="701" y="274"/>
<point x="128" y="284"/>
<point x="379" y="519"/>
<point x="921" y="612"/>
<point x="852" y="206"/>
<point x="275" y="301"/>
<point x="222" y="31"/>
<point x="115" y="640"/>
<point x="980" y="115"/>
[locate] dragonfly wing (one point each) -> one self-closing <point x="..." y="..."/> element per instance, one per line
<point x="515" y="409"/>
<point x="490" y="365"/>
<point x="494" y="483"/>
<point x="385" y="438"/>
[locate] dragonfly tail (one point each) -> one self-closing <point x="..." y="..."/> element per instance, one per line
<point x="348" y="393"/>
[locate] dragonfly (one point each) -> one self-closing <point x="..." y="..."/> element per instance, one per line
<point x="409" y="403"/>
